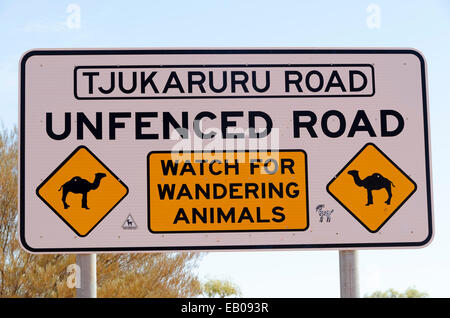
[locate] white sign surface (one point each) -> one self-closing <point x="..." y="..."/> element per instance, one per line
<point x="210" y="149"/>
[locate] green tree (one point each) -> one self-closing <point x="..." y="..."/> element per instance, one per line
<point x="220" y="288"/>
<point x="410" y="292"/>
<point x="118" y="275"/>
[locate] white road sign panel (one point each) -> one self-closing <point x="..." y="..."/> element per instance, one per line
<point x="211" y="149"/>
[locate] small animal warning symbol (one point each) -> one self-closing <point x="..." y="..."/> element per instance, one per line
<point x="129" y="223"/>
<point x="320" y="209"/>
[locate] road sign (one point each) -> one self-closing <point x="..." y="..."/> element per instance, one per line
<point x="258" y="191"/>
<point x="371" y="187"/>
<point x="67" y="189"/>
<point x="210" y="149"/>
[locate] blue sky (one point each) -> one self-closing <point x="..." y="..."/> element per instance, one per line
<point x="424" y="25"/>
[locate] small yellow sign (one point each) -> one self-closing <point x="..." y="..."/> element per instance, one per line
<point x="82" y="191"/>
<point x="227" y="191"/>
<point x="371" y="187"/>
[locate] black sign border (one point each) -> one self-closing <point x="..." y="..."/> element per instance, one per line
<point x="48" y="52"/>
<point x="75" y="81"/>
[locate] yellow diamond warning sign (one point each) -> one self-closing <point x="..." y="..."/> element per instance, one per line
<point x="82" y="191"/>
<point x="371" y="187"/>
<point x="227" y="191"/>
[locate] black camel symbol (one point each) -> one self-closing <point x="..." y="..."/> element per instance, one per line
<point x="79" y="185"/>
<point x="374" y="182"/>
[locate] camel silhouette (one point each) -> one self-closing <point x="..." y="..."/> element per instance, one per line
<point x="79" y="185"/>
<point x="374" y="182"/>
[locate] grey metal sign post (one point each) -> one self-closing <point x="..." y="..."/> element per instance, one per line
<point x="87" y="264"/>
<point x="348" y="272"/>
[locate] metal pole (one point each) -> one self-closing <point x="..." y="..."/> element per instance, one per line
<point x="348" y="272"/>
<point x="87" y="264"/>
